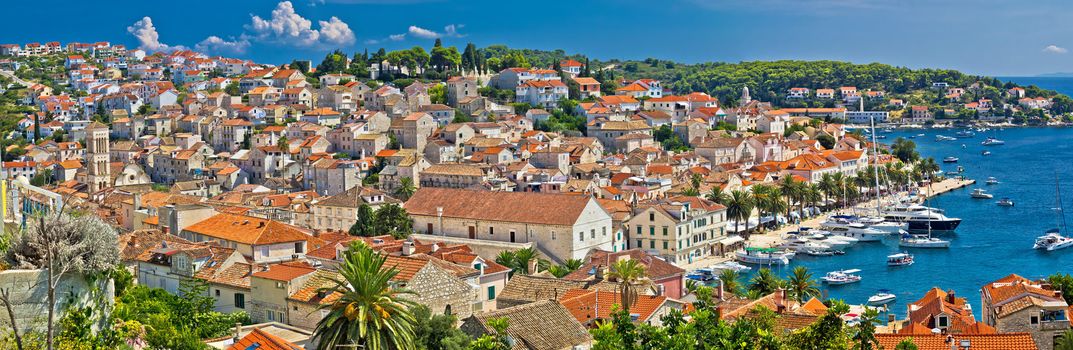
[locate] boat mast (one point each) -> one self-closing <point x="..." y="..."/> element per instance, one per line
<point x="1061" y="215"/>
<point x="875" y="155"/>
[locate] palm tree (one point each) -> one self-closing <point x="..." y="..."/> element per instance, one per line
<point x="731" y="281"/>
<point x="627" y="273"/>
<point x="370" y="311"/>
<point x="762" y="195"/>
<point x="801" y="285"/>
<point x="518" y="260"/>
<point x="840" y="187"/>
<point x="765" y="282"/>
<point x="717" y="195"/>
<point x="406" y="188"/>
<point x="812" y="194"/>
<point x="792" y="190"/>
<point x="739" y="207"/>
<point x="775" y="204"/>
<point x="829" y="187"/>
<point x="1065" y="342"/>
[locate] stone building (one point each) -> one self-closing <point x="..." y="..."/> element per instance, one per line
<point x="1017" y="304"/>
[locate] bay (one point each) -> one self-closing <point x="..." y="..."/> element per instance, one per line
<point x="991" y="242"/>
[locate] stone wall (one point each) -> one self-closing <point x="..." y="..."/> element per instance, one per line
<point x="29" y="294"/>
<point x="436" y="288"/>
<point x="1043" y="333"/>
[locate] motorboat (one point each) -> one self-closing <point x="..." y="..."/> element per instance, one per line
<point x="920" y="135"/>
<point x="944" y="138"/>
<point x="979" y="193"/>
<point x="1053" y="240"/>
<point x="992" y="181"/>
<point x="922" y="241"/>
<point x="853" y="230"/>
<point x="878" y="223"/>
<point x="881" y="298"/>
<point x="991" y="141"/>
<point x="731" y="265"/>
<point x="965" y="134"/>
<point x="900" y="259"/>
<point x="702" y="275"/>
<point x="950" y="160"/>
<point x="764" y="256"/>
<point x="921" y="218"/>
<point x="1005" y="202"/>
<point x="986" y="153"/>
<point x="842" y="277"/>
<point x="833" y="241"/>
<point x="806" y="246"/>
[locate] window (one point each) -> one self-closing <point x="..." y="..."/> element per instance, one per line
<point x="652" y="230"/>
<point x="652" y="244"/>
<point x="581" y="236"/>
<point x="651" y="217"/>
<point x="240" y="300"/>
<point x="664" y="245"/>
<point x="217" y="293"/>
<point x="664" y="230"/>
<point x="279" y="285"/>
<point x="1033" y="320"/>
<point x="264" y="251"/>
<point x="491" y="292"/>
<point x="638" y="230"/>
<point x="491" y="230"/>
<point x="299" y="247"/>
<point x="603" y="230"/>
<point x="942" y="322"/>
<point x="592" y="233"/>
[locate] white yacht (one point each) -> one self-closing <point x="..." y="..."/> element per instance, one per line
<point x="881" y="224"/>
<point x="979" y="193"/>
<point x="764" y="256"/>
<point x="882" y="298"/>
<point x="922" y="241"/>
<point x="1052" y="241"/>
<point x="731" y="265"/>
<point x="991" y="141"/>
<point x="842" y="277"/>
<point x="833" y="241"/>
<point x="992" y="181"/>
<point x="806" y="246"/>
<point x="921" y="218"/>
<point x="853" y="230"/>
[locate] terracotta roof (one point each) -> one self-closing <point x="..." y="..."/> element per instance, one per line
<point x="355" y="197"/>
<point x="407" y="266"/>
<point x="522" y="207"/>
<point x="247" y="230"/>
<point x="589" y="305"/>
<point x="525" y="288"/>
<point x="261" y="340"/>
<point x="285" y="271"/>
<point x="1006" y="341"/>
<point x="307" y="293"/>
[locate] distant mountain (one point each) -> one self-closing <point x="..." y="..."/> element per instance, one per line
<point x="1056" y="75"/>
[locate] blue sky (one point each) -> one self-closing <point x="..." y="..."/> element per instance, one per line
<point x="990" y="37"/>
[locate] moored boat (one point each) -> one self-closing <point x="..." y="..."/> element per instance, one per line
<point x="763" y="256"/>
<point x="1005" y="202"/>
<point x="922" y="241"/>
<point x="882" y="298"/>
<point x="842" y="277"/>
<point x="1052" y="241"/>
<point x="979" y="193"/>
<point x="991" y="141"/>
<point x="950" y="160"/>
<point x="992" y="181"/>
<point x="900" y="259"/>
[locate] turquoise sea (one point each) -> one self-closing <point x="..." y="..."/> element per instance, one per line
<point x="1060" y="84"/>
<point x="992" y="241"/>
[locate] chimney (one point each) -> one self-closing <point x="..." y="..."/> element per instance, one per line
<point x="238" y="331"/>
<point x="950" y="296"/>
<point x="720" y="291"/>
<point x="264" y="267"/>
<point x="532" y="267"/>
<point x="780" y="296"/>
<point x="407" y="248"/>
<point x="260" y="224"/>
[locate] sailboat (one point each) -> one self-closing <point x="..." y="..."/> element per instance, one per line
<point x="1053" y="239"/>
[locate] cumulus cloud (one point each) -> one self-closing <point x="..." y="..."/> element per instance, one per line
<point x="393" y="37"/>
<point x="217" y="44"/>
<point x="286" y="26"/>
<point x="450" y="31"/>
<point x="1054" y="49"/>
<point x="148" y="38"/>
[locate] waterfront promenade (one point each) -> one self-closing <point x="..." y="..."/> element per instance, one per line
<point x="776" y="237"/>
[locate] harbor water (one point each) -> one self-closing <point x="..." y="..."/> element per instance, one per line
<point x="991" y="242"/>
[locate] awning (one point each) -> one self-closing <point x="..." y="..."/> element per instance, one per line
<point x="730" y="240"/>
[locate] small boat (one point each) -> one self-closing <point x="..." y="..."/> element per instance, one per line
<point x="992" y="181"/>
<point x="731" y="265"/>
<point x="900" y="259"/>
<point x="881" y="137"/>
<point x="961" y="169"/>
<point x="979" y="193"/>
<point x="702" y="275"/>
<point x="944" y="138"/>
<point x="986" y="153"/>
<point x="1005" y="202"/>
<point x="853" y="230"/>
<point x="764" y="256"/>
<point x="965" y="134"/>
<point x="1052" y="241"/>
<point x="842" y="277"/>
<point x="920" y="135"/>
<point x="950" y="160"/>
<point x="991" y="141"/>
<point x="922" y="241"/>
<point x="882" y="298"/>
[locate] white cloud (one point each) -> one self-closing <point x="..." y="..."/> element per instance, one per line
<point x="397" y="37"/>
<point x="148" y="38"/>
<point x="336" y="31"/>
<point x="288" y="27"/>
<point x="450" y="31"/>
<point x="423" y="33"/>
<point x="216" y="44"/>
<point x="1054" y="49"/>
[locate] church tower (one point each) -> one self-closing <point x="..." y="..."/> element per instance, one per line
<point x="99" y="173"/>
<point x="745" y="99"/>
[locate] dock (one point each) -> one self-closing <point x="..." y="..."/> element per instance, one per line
<point x="945" y="186"/>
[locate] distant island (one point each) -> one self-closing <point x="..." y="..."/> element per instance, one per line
<point x="1056" y="75"/>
